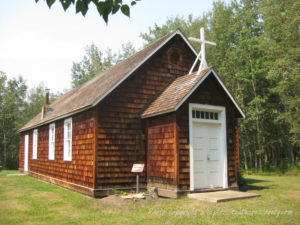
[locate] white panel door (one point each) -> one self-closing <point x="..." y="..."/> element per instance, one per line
<point x="207" y="155"/>
<point x="26" y="153"/>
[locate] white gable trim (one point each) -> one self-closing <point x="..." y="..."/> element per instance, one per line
<point x="116" y="84"/>
<point x="220" y="82"/>
<point x="192" y="91"/>
<point x="143" y="61"/>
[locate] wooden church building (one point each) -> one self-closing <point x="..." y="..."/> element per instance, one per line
<point x="147" y="109"/>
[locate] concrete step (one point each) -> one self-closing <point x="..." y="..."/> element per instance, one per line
<point x="221" y="196"/>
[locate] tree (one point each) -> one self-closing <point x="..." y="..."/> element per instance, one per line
<point x="282" y="21"/>
<point x="17" y="106"/>
<point x="35" y="99"/>
<point x="127" y="50"/>
<point x="94" y="62"/>
<point x="105" y="8"/>
<point x="13" y="94"/>
<point x="190" y="27"/>
<point x="257" y="54"/>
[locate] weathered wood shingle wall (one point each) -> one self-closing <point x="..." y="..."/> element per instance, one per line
<point x="80" y="170"/>
<point x="121" y="137"/>
<point x="161" y="149"/>
<point x="209" y="92"/>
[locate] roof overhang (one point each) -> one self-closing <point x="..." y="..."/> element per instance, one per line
<point x="208" y="73"/>
<point x="177" y="32"/>
<point x="56" y="118"/>
<point x="94" y="103"/>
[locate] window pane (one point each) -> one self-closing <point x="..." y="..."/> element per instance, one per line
<point x="68" y="140"/>
<point x="69" y="148"/>
<point x="202" y="115"/>
<point x="197" y="114"/>
<point x="216" y="116"/>
<point x="193" y="113"/>
<point x="211" y="115"/>
<point x="206" y="115"/>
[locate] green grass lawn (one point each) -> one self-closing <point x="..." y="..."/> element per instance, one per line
<point x="25" y="200"/>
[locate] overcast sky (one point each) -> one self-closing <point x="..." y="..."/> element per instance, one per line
<point x="41" y="44"/>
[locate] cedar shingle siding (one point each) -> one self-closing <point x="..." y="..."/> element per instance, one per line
<point x="127" y="115"/>
<point x="121" y="136"/>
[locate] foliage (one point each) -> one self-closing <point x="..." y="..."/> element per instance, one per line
<point x="17" y="106"/>
<point x="105" y="8"/>
<point x="12" y="96"/>
<point x="257" y="55"/>
<point x="241" y="180"/>
<point x="26" y="200"/>
<point x="190" y="27"/>
<point x="95" y="61"/>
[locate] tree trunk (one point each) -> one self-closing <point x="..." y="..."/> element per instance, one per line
<point x="255" y="162"/>
<point x="4" y="150"/>
<point x="251" y="159"/>
<point x="260" y="161"/>
<point x="292" y="157"/>
<point x="245" y="159"/>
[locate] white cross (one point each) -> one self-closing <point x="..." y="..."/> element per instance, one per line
<point x="201" y="55"/>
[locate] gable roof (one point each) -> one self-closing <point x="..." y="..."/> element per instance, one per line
<point x="93" y="91"/>
<point x="178" y="92"/>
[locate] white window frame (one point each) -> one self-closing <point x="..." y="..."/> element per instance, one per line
<point x="26" y="150"/>
<point x="34" y="143"/>
<point x="52" y="141"/>
<point x="68" y="140"/>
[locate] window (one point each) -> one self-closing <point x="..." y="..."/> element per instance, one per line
<point x="68" y="139"/>
<point x="34" y="144"/>
<point x="51" y="141"/>
<point x="205" y="115"/>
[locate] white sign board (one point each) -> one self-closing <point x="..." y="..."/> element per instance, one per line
<point x="137" y="168"/>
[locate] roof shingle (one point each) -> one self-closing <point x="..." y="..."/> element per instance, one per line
<point x="174" y="94"/>
<point x="94" y="90"/>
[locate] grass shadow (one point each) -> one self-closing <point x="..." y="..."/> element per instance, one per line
<point x="248" y="187"/>
<point x="253" y="181"/>
<point x="250" y="184"/>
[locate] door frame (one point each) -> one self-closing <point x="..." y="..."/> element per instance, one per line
<point x="26" y="152"/>
<point x="223" y="134"/>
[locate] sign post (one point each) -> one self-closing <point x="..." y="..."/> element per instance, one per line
<point x="137" y="168"/>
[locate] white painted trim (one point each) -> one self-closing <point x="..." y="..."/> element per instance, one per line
<point x="51" y="152"/>
<point x="34" y="147"/>
<point x="157" y="114"/>
<point x="192" y="91"/>
<point x="143" y="61"/>
<point x="222" y="121"/>
<point x="57" y="118"/>
<point x="118" y="83"/>
<point x="220" y="82"/>
<point x="66" y="157"/>
<point x="26" y="152"/>
<point x="229" y="94"/>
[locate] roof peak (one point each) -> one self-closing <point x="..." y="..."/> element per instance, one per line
<point x="95" y="90"/>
